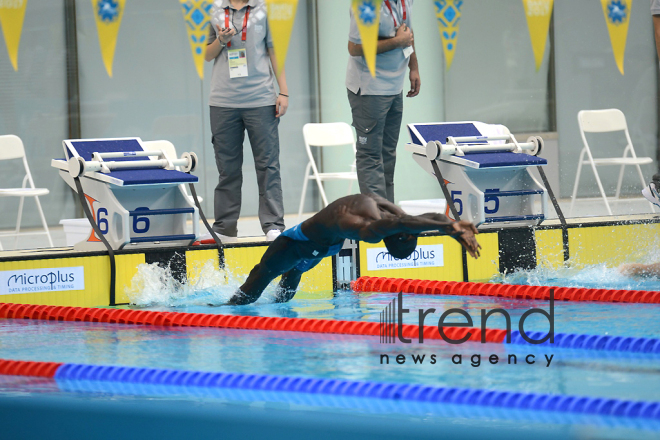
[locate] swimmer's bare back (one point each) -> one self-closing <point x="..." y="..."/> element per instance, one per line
<point x="371" y="218"/>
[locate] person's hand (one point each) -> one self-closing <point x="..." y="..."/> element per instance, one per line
<point x="404" y="35"/>
<point x="464" y="232"/>
<point x="281" y="106"/>
<point x="415" y="84"/>
<point x="225" y="35"/>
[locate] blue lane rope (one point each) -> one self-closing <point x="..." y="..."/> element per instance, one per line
<point x="367" y="389"/>
<point x="592" y="342"/>
<point x="366" y="405"/>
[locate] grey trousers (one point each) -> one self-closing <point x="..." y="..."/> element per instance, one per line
<point x="228" y="126"/>
<point x="377" y="121"/>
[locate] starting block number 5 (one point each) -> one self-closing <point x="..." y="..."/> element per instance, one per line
<point x="458" y="203"/>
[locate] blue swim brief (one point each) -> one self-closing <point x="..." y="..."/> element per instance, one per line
<point x="296" y="234"/>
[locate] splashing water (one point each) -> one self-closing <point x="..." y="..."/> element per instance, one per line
<point x="596" y="276"/>
<point x="153" y="285"/>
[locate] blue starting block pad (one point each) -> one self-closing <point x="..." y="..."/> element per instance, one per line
<point x="136" y="196"/>
<point x="484" y="169"/>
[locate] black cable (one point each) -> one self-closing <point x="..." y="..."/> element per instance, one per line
<point x="445" y="191"/>
<point x="97" y="230"/>
<point x="560" y="214"/>
<point x="221" y="247"/>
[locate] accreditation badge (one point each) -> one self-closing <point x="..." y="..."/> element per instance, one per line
<point x="238" y="67"/>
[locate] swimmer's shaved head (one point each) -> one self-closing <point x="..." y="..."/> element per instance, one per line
<point x="400" y="245"/>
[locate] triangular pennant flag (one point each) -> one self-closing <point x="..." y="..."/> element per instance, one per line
<point x="617" y="16"/>
<point x="197" y="15"/>
<point x="11" y="20"/>
<point x="367" y="16"/>
<point x="448" y="14"/>
<point x="281" y="14"/>
<point x="538" y="13"/>
<point x="108" y="15"/>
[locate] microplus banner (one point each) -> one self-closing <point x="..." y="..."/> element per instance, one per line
<point x="427" y="255"/>
<point x="42" y="280"/>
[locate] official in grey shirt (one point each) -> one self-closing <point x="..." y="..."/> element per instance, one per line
<point x="243" y="97"/>
<point x="377" y="102"/>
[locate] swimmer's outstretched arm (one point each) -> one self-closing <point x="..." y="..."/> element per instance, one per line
<point x="641" y="270"/>
<point x="462" y="231"/>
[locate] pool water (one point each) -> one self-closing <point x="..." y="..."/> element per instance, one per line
<point x="560" y="371"/>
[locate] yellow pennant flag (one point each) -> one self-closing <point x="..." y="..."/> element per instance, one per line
<point x="281" y="14"/>
<point x="12" y="13"/>
<point x="108" y="14"/>
<point x="448" y="14"/>
<point x="367" y="16"/>
<point x="197" y="15"/>
<point x="617" y="16"/>
<point x="538" y="13"/>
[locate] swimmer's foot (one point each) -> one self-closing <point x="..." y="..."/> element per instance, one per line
<point x="651" y="194"/>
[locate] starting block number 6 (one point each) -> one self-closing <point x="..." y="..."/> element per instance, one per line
<point x="144" y="221"/>
<point x="141" y="225"/>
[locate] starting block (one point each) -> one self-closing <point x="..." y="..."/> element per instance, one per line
<point x="483" y="171"/>
<point x="135" y="196"/>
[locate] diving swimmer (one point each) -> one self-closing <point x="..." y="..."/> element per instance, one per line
<point x="365" y="217"/>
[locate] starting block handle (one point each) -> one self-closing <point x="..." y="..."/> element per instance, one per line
<point x="122" y="154"/>
<point x="79" y="166"/>
<point x="465" y="139"/>
<point x="436" y="149"/>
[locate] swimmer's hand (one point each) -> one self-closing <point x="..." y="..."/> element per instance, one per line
<point x="464" y="232"/>
<point x="640" y="270"/>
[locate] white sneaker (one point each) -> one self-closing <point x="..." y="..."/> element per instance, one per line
<point x="273" y="234"/>
<point x="651" y="194"/>
<point x="223" y="238"/>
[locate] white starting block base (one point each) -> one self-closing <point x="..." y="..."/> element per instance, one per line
<point x="490" y="188"/>
<point x="133" y="206"/>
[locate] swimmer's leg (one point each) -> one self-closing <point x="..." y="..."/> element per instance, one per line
<point x="288" y="285"/>
<point x="290" y="280"/>
<point x="280" y="257"/>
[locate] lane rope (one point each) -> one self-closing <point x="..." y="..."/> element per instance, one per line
<point x="430" y="287"/>
<point x="320" y="326"/>
<point x="338" y="387"/>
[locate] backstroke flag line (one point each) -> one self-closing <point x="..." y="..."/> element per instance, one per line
<point x="281" y="14"/>
<point x="538" y="13"/>
<point x="367" y="16"/>
<point x="197" y="16"/>
<point x="12" y="13"/>
<point x="108" y="15"/>
<point x="448" y="14"/>
<point x="617" y="17"/>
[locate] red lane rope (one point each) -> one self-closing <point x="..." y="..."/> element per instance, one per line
<point x="395" y="285"/>
<point x="27" y="368"/>
<point x="176" y="319"/>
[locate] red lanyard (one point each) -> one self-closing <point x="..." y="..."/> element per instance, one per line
<point x="245" y="23"/>
<point x="389" y="6"/>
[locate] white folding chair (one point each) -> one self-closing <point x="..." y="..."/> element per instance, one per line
<point x="168" y="148"/>
<point x="605" y="121"/>
<point x="11" y="147"/>
<point x="326" y="135"/>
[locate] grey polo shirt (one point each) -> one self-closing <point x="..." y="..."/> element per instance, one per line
<point x="390" y="66"/>
<point x="258" y="88"/>
<point x="655" y="7"/>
